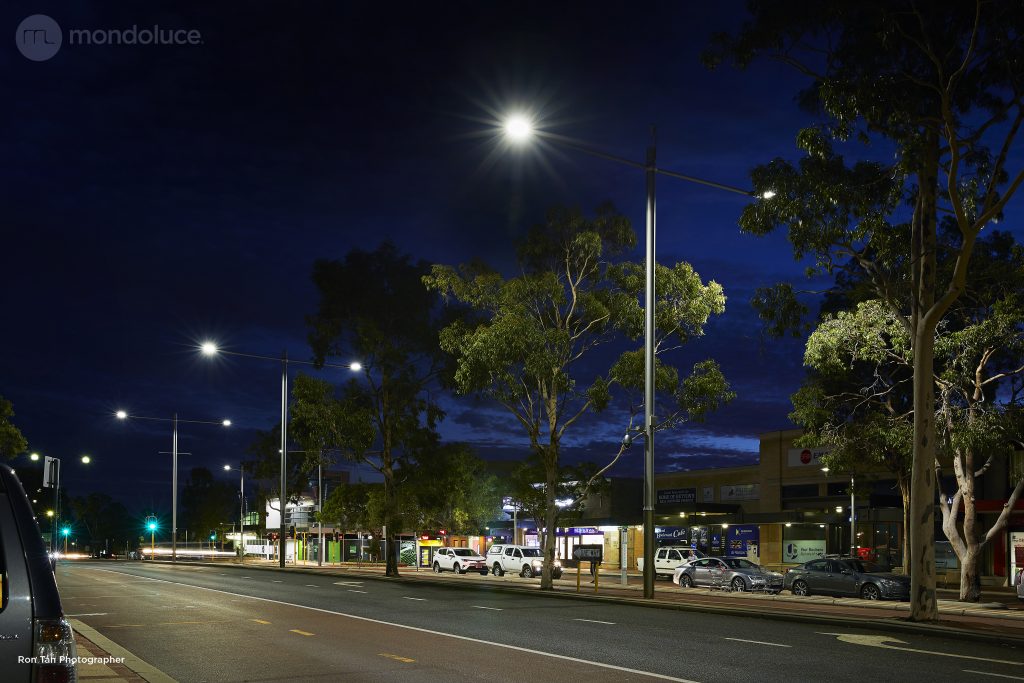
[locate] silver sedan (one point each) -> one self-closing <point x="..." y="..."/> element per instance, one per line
<point x="727" y="572"/>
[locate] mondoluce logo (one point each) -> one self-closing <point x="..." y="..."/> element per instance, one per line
<point x="40" y="37"/>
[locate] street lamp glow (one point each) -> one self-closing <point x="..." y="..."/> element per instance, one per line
<point x="34" y="457"/>
<point x="355" y="366"/>
<point x="767" y="194"/>
<point x="121" y="415"/>
<point x="86" y="460"/>
<point x="226" y="423"/>
<point x="208" y="348"/>
<point x="825" y="470"/>
<point x="49" y="513"/>
<point x="518" y="128"/>
<point x="227" y="468"/>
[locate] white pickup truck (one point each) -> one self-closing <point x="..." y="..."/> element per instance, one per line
<point x="518" y="559"/>
<point x="668" y="558"/>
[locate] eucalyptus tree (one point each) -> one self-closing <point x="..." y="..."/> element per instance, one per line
<point x="12" y="442"/>
<point x="534" y="345"/>
<point x="374" y="309"/>
<point x="938" y="89"/>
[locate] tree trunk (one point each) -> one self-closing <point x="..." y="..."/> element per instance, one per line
<point x="970" y="578"/>
<point x="905" y="494"/>
<point x="390" y="551"/>
<point x="923" y="606"/>
<point x="551" y="518"/>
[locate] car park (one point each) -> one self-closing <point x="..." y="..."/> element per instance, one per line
<point x="459" y="560"/>
<point x="36" y="642"/>
<point x="519" y="559"/>
<point x="667" y="558"/>
<point x="734" y="573"/>
<point x="846" y="576"/>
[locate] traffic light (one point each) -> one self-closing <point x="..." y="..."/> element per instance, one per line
<point x="151" y="525"/>
<point x="65" y="531"/>
<point x="213" y="537"/>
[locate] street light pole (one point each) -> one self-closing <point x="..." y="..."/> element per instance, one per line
<point x="649" y="333"/>
<point x="282" y="541"/>
<point x="853" y="520"/>
<point x="174" y="490"/>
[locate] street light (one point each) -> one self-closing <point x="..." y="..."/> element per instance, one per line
<point x="241" y="509"/>
<point x="518" y="129"/>
<point x="210" y="349"/>
<point x="51" y="478"/>
<point x="123" y="415"/>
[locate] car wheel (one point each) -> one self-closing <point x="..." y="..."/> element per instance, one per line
<point x="437" y="568"/>
<point x="739" y="585"/>
<point x="483" y="573"/>
<point x="800" y="588"/>
<point x="458" y="569"/>
<point x="527" y="572"/>
<point x="498" y="571"/>
<point x="685" y="581"/>
<point x="870" y="592"/>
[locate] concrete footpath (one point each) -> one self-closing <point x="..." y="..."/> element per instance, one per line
<point x="102" y="660"/>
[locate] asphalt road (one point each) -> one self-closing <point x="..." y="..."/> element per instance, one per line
<point x="199" y="623"/>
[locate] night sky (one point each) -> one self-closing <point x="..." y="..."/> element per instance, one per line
<point x="157" y="196"/>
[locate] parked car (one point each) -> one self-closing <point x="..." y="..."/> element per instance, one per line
<point x="1018" y="581"/>
<point x="847" y="576"/>
<point x="733" y="572"/>
<point x="32" y="623"/>
<point x="459" y="560"/>
<point x="666" y="559"/>
<point x="519" y="559"/>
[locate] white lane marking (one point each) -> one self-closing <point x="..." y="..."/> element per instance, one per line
<point x="496" y="609"/>
<point x="348" y="583"/>
<point x="351" y="590"/>
<point x="88" y="614"/>
<point x="595" y="621"/>
<point x="757" y="642"/>
<point x="246" y="577"/>
<point x="312" y="585"/>
<point x="988" y="673"/>
<point x="277" y="581"/>
<point x="880" y="641"/>
<point x="467" y="639"/>
<point x="406" y="597"/>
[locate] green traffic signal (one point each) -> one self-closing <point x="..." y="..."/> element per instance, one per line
<point x="152" y="526"/>
<point x="65" y="531"/>
<point x="213" y="537"/>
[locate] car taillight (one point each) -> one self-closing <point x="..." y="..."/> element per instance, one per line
<point x="55" y="652"/>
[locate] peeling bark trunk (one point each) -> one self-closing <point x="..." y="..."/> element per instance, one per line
<point x="905" y="494"/>
<point x="970" y="578"/>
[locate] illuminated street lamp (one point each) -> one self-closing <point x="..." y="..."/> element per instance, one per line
<point x="241" y="509"/>
<point x="123" y="415"/>
<point x="51" y="478"/>
<point x="210" y="349"/>
<point x="34" y="457"/>
<point x="518" y="129"/>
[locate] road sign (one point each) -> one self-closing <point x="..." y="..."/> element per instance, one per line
<point x="588" y="553"/>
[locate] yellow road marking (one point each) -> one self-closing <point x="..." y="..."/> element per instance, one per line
<point x="302" y="633"/>
<point x="397" y="658"/>
<point x="260" y="621"/>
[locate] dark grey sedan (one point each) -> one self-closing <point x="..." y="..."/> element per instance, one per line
<point x="847" y="577"/>
<point x="727" y="572"/>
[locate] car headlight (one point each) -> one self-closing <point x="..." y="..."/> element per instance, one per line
<point x="538" y="563"/>
<point x="558" y="563"/>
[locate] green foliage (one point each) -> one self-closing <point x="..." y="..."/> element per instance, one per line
<point x="451" y="490"/>
<point x="12" y="443"/>
<point x="206" y="503"/>
<point x="533" y="331"/>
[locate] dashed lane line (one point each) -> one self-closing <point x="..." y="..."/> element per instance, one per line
<point x="301" y="633"/>
<point x="397" y="658"/>
<point x="352" y="590"/>
<point x="757" y="642"/>
<point x="260" y="621"/>
<point x="496" y="609"/>
<point x="406" y="597"/>
<point x="597" y="621"/>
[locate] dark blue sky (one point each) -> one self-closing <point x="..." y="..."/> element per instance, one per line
<point x="155" y="196"/>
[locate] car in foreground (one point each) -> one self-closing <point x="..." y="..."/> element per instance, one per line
<point x="734" y="573"/>
<point x="36" y="642"/>
<point x="459" y="560"/>
<point x="847" y="576"/>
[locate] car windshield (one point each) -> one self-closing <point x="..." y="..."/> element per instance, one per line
<point x="464" y="552"/>
<point x="531" y="552"/>
<point x="737" y="563"/>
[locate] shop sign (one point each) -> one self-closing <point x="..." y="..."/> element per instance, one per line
<point x="741" y="492"/>
<point x="670" y="533"/>
<point x="676" y="496"/>
<point x="580" y="531"/>
<point x="739" y="539"/>
<point x="709" y="494"/>
<point x="588" y="553"/>
<point x="804" y="457"/>
<point x="803" y="551"/>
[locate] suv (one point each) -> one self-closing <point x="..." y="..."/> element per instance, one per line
<point x="667" y="558"/>
<point x="36" y="642"/>
<point x="459" y="560"/>
<point x="519" y="559"/>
